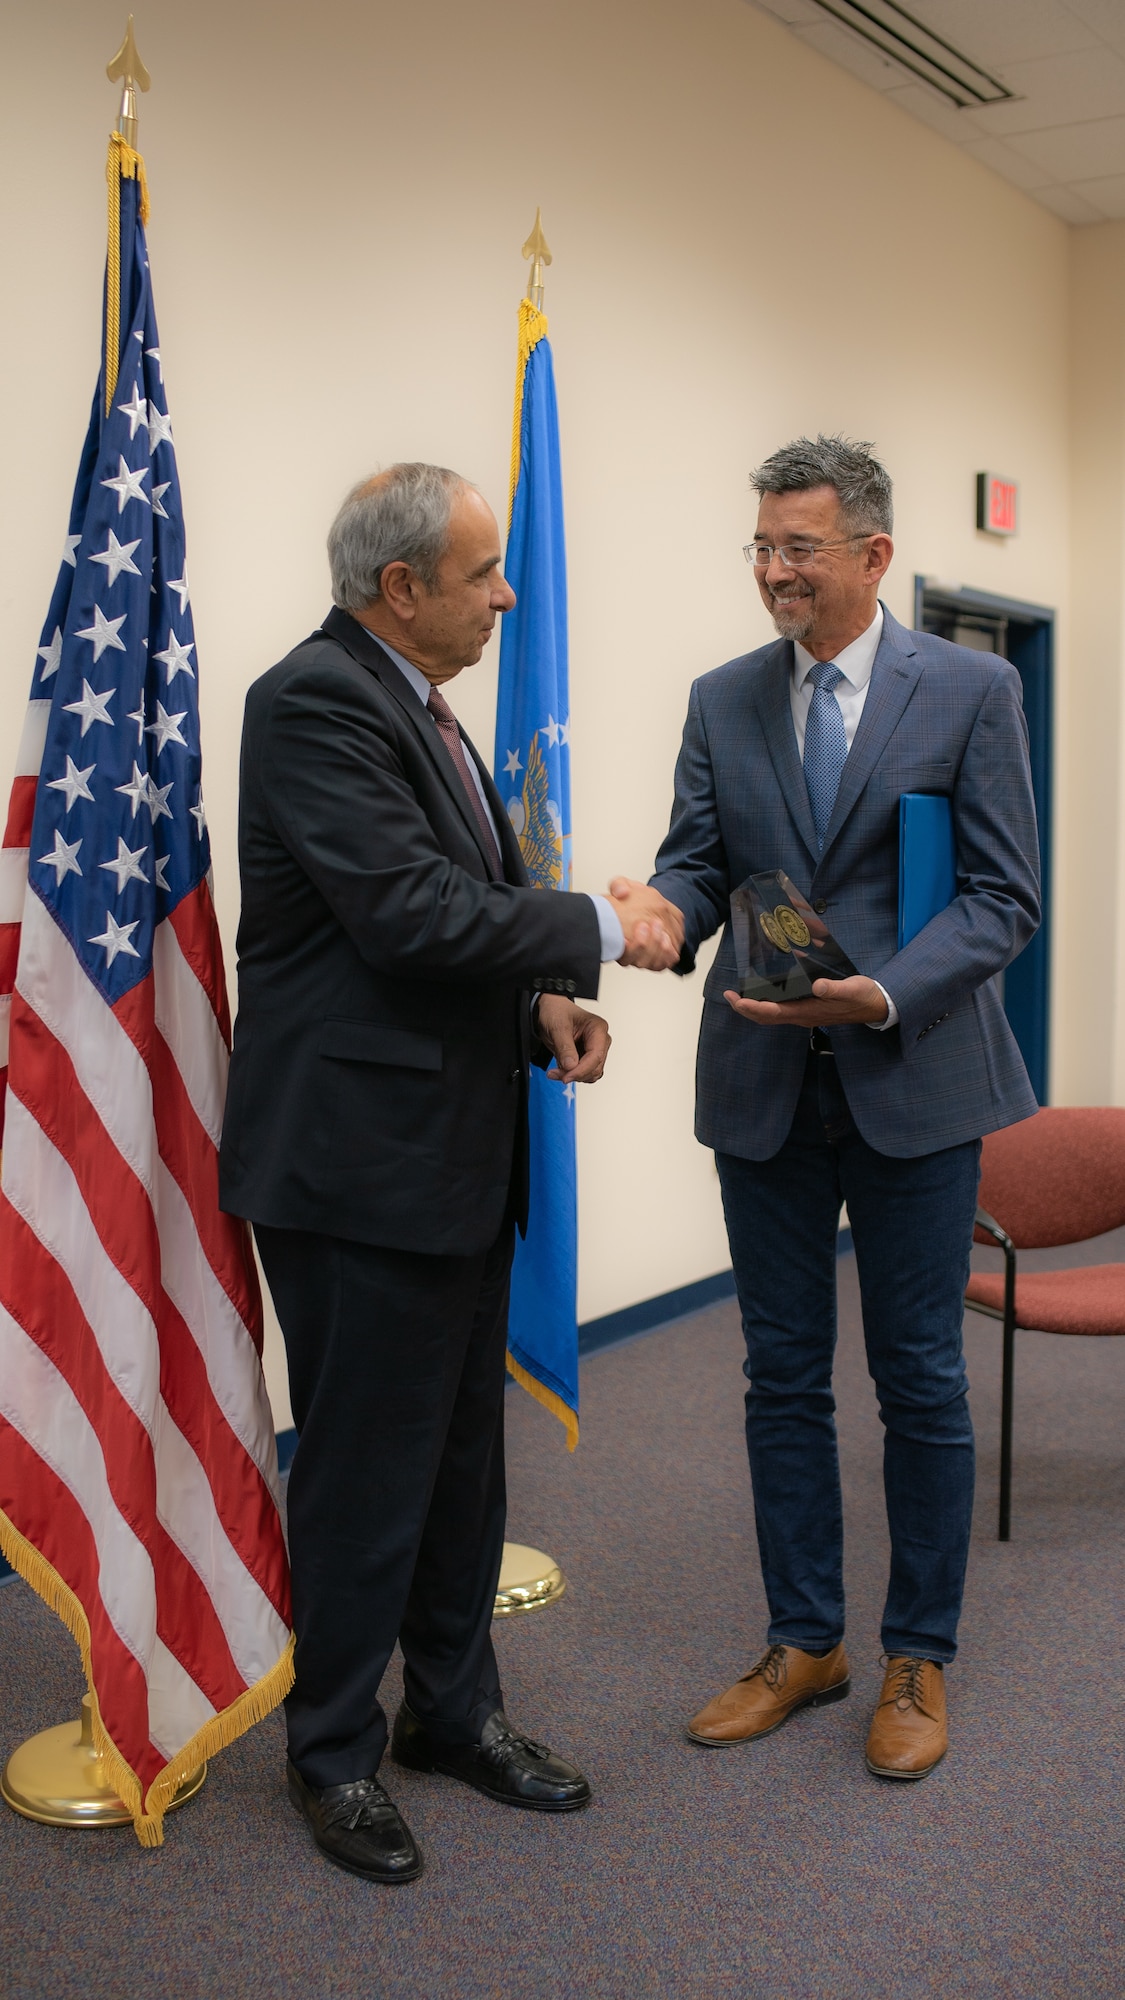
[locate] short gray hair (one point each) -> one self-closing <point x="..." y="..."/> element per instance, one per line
<point x="402" y="518"/>
<point x="863" y="485"/>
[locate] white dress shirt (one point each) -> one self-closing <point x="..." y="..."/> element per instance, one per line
<point x="855" y="663"/>
<point x="609" y="923"/>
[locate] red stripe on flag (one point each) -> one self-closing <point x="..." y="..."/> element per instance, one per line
<point x="122" y="1215"/>
<point x="3" y="1101"/>
<point x="197" y="934"/>
<point x="9" y="955"/>
<point x="21" y="812"/>
<point x="191" y="1159"/>
<point x="40" y="1298"/>
<point x="49" y="1516"/>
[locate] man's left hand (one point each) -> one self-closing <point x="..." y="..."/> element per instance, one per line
<point x="834" y="1001"/>
<point x="578" y="1041"/>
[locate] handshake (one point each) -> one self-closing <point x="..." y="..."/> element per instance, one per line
<point x="653" y="927"/>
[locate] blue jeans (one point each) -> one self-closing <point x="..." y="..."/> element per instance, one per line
<point x="912" y="1225"/>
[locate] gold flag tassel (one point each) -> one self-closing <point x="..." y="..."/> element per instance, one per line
<point x="122" y="164"/>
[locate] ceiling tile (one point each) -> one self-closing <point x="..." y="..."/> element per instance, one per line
<point x="1070" y="206"/>
<point x="1107" y="195"/>
<point x="1006" y="31"/>
<point x="1015" y="166"/>
<point x="851" y="53"/>
<point x="934" y="111"/>
<point x="791" y="11"/>
<point x="1057" y="90"/>
<point x="1105" y="17"/>
<point x="1078" y="152"/>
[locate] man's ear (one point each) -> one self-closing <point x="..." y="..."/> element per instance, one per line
<point x="401" y="589"/>
<point x="880" y="549"/>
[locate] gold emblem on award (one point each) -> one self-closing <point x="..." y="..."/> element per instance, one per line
<point x="793" y="927"/>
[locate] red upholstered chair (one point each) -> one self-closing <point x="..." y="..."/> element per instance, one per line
<point x="1056" y="1178"/>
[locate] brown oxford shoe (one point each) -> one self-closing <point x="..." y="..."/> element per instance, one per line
<point x="783" y="1680"/>
<point x="908" y="1733"/>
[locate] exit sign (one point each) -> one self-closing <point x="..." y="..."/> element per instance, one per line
<point x="996" y="504"/>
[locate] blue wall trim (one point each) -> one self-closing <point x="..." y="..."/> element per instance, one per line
<point x="613" y="1328"/>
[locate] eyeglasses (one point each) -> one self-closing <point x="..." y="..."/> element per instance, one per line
<point x="794" y="555"/>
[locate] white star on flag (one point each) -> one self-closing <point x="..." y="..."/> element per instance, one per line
<point x="159" y="427"/>
<point x="136" y="409"/>
<point x="180" y="583"/>
<point x="158" y="493"/>
<point x="62" y="860"/>
<point x="160" y="862"/>
<point x="72" y="541"/>
<point x="103" y="632"/>
<point x="564" y="731"/>
<point x="551" y="731"/>
<point x="175" y="658"/>
<point x="199" y="816"/>
<point x="92" y="707"/>
<point x="127" y="485"/>
<point x="136" y="790"/>
<point x="137" y="715"/>
<point x="166" y="728"/>
<point x="157" y="802"/>
<point x="127" y="867"/>
<point x="73" y="784"/>
<point x="51" y="655"/>
<point x="512" y="763"/>
<point x="115" y="938"/>
<point x="154" y="352"/>
<point x="118" y="556"/>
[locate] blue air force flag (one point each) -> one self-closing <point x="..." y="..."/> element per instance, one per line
<point x="532" y="768"/>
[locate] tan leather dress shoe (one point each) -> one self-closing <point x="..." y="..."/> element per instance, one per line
<point x="908" y="1733"/>
<point x="783" y="1680"/>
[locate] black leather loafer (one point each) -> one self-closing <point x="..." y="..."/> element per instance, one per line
<point x="504" y="1765"/>
<point x="358" y="1828"/>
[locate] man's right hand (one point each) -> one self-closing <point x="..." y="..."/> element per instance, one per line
<point x="653" y="927"/>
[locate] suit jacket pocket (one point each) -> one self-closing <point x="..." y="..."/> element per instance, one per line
<point x="371" y="1042"/>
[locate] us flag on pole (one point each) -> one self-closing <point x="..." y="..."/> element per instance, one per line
<point x="138" y="1468"/>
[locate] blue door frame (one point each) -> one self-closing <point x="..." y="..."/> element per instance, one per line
<point x="1030" y="646"/>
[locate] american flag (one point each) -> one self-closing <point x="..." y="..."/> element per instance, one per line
<point x="138" y="1466"/>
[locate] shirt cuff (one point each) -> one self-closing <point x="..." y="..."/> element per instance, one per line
<point x="881" y="1027"/>
<point x="612" y="935"/>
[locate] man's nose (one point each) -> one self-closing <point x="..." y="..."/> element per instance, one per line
<point x="504" y="597"/>
<point x="776" y="569"/>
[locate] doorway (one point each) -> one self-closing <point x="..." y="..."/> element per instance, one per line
<point x="1025" y="635"/>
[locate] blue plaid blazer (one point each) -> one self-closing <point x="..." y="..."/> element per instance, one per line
<point x="938" y="718"/>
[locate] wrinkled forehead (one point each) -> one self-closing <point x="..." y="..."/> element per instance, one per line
<point x="813" y="512"/>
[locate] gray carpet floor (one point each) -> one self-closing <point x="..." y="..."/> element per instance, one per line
<point x="780" y="1871"/>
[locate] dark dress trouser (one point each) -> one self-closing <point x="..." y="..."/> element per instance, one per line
<point x="396" y="1498"/>
<point x="912" y="1226"/>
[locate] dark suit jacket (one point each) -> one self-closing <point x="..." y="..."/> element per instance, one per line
<point x="938" y="718"/>
<point x="378" y="1085"/>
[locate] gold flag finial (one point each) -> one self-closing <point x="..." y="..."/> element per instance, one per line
<point x="127" y="65"/>
<point x="536" y="249"/>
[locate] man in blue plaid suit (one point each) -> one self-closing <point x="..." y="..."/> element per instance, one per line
<point x="876" y="1092"/>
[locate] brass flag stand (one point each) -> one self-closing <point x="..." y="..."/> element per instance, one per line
<point x="57" y="1776"/>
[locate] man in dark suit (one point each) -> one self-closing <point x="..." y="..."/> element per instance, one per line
<point x="875" y="1092"/>
<point x="376" y="1136"/>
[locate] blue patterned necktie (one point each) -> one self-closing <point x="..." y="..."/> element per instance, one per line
<point x="826" y="746"/>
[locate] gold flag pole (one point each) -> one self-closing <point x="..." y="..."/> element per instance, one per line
<point x="57" y="1777"/>
<point x="529" y="1579"/>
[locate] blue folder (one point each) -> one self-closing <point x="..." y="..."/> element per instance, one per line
<point x="927" y="861"/>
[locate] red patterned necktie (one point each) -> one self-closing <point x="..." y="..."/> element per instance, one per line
<point x="451" y="736"/>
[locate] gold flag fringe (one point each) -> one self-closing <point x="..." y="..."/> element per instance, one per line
<point x="532" y="329"/>
<point x="122" y="164"/>
<point x="251" y="1707"/>
<point x="548" y="1398"/>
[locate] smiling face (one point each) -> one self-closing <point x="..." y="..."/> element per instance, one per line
<point x="831" y="599"/>
<point x="453" y="623"/>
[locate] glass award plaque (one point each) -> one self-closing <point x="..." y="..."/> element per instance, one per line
<point x="780" y="943"/>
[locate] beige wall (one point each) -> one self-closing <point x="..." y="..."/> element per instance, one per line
<point x="747" y="244"/>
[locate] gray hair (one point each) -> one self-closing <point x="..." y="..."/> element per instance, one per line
<point x="863" y="485"/>
<point x="402" y="518"/>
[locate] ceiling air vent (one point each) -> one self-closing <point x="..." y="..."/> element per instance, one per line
<point x="897" y="34"/>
